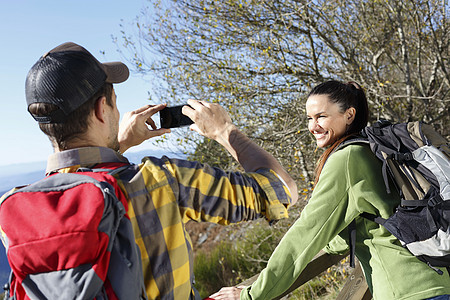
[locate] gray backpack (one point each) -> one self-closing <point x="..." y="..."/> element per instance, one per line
<point x="417" y="159"/>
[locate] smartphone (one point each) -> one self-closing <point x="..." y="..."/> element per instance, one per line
<point x="172" y="117"/>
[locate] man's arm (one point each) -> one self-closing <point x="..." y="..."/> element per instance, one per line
<point x="212" y="121"/>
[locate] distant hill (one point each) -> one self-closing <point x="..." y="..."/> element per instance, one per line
<point x="25" y="173"/>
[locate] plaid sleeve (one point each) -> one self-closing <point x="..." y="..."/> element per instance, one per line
<point x="210" y="194"/>
<point x="278" y="196"/>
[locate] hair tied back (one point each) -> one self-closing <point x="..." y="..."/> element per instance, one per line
<point x="354" y="85"/>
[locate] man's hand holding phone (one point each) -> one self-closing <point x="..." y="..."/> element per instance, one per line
<point x="134" y="127"/>
<point x="211" y="120"/>
<point x="172" y="117"/>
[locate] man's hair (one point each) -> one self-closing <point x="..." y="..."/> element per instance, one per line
<point x="76" y="124"/>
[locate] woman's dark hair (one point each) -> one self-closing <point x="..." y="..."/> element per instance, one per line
<point x="346" y="95"/>
<point x="76" y="124"/>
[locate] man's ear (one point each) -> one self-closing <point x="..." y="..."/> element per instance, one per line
<point x="350" y="114"/>
<point x="100" y="109"/>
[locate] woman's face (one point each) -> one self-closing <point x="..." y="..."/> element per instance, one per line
<point x="326" y="121"/>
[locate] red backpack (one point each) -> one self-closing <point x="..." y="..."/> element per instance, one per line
<point x="68" y="236"/>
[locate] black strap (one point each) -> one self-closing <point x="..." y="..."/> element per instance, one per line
<point x="373" y="218"/>
<point x="439" y="271"/>
<point x="414" y="203"/>
<point x="434" y="200"/>
<point x="7" y="287"/>
<point x="352" y="242"/>
<point x="109" y="171"/>
<point x="116" y="170"/>
<point x="83" y="169"/>
<point x="352" y="233"/>
<point x="385" y="176"/>
<point x="402" y="157"/>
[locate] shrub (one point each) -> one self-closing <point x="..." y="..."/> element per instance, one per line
<point x="246" y="252"/>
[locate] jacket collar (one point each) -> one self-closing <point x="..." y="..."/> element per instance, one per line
<point x="82" y="157"/>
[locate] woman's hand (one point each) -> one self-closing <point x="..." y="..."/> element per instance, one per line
<point x="228" y="293"/>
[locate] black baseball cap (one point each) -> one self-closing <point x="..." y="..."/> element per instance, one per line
<point x="67" y="76"/>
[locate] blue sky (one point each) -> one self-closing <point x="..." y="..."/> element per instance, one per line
<point x="31" y="28"/>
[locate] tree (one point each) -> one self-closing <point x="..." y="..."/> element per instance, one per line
<point x="260" y="58"/>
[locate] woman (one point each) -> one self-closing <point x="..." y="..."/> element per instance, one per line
<point x="348" y="183"/>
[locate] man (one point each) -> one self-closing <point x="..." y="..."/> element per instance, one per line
<point x="70" y="94"/>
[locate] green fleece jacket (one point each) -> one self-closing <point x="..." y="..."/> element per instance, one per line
<point x="351" y="183"/>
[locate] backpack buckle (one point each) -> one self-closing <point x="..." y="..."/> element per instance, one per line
<point x="402" y="157"/>
<point x="433" y="201"/>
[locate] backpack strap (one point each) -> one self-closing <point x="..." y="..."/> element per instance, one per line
<point x="356" y="139"/>
<point x="352" y="233"/>
<point x="111" y="172"/>
<point x="373" y="218"/>
<point x="414" y="203"/>
<point x="377" y="131"/>
<point x="115" y="171"/>
<point x="8" y="286"/>
<point x="119" y="263"/>
<point x="352" y="242"/>
<point x="352" y="226"/>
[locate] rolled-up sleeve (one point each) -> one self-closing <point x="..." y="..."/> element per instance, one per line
<point x="278" y="196"/>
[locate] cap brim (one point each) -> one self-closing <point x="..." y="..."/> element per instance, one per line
<point x="116" y="72"/>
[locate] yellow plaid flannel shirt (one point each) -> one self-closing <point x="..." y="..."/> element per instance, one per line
<point x="163" y="194"/>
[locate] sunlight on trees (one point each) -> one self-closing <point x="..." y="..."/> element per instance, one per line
<point x="259" y="59"/>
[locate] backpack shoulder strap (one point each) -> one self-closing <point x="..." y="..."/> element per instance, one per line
<point x="359" y="139"/>
<point x="352" y="226"/>
<point x="125" y="266"/>
<point x="109" y="171"/>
